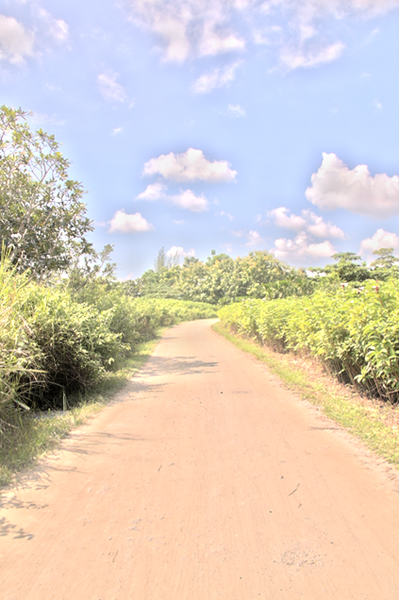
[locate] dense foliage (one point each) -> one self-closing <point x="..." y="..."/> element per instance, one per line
<point x="55" y="342"/>
<point x="43" y="221"/>
<point x="222" y="279"/>
<point x="354" y="331"/>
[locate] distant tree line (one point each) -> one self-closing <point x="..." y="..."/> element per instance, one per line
<point x="222" y="279"/>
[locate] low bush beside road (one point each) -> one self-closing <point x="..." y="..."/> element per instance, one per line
<point x="57" y="346"/>
<point x="353" y="331"/>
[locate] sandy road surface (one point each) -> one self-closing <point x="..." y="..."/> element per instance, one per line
<point x="207" y="482"/>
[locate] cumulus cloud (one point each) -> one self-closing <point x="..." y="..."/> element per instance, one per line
<point x="381" y="239"/>
<point x="16" y="43"/>
<point x="154" y="191"/>
<point x="110" y="89"/>
<point x="128" y="223"/>
<point x="179" y="252"/>
<point x="189" y="200"/>
<point x="335" y="186"/>
<point x="185" y="199"/>
<point x="217" y="78"/>
<point x="189" y="166"/>
<point x="300" y="249"/>
<point x="309" y="222"/>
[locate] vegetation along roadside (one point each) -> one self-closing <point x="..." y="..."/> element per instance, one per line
<point x="373" y="421"/>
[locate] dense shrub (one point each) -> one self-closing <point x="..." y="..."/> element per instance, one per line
<point x="353" y="331"/>
<point x="54" y="344"/>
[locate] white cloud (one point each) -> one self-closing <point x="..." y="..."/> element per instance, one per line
<point x="309" y="222"/>
<point x="128" y="223"/>
<point x="224" y="214"/>
<point x="190" y="201"/>
<point x="117" y="130"/>
<point x="185" y="199"/>
<point x="253" y="238"/>
<point x="154" y="191"/>
<point x="110" y="89"/>
<point x="296" y="58"/>
<point x="189" y="166"/>
<point x="335" y="186"/>
<point x="217" y="78"/>
<point x="235" y="110"/>
<point x="178" y="251"/>
<point x="301" y="250"/>
<point x="55" y="28"/>
<point x="173" y="32"/>
<point x="16" y="43"/>
<point x="282" y="218"/>
<point x="194" y="28"/>
<point x="212" y="43"/>
<point x="381" y="239"/>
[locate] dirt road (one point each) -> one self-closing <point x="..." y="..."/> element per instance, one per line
<point x="208" y="482"/>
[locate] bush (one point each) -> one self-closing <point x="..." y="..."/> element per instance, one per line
<point x="354" y="331"/>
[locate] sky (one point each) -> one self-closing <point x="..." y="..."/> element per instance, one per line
<point x="226" y="125"/>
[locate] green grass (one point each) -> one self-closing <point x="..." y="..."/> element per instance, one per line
<point x="31" y="436"/>
<point x="364" y="421"/>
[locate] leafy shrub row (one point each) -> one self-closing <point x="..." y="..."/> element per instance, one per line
<point x="54" y="344"/>
<point x="353" y="331"/>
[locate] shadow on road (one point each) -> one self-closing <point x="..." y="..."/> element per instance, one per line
<point x="178" y="365"/>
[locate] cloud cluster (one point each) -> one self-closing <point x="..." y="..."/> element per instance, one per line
<point x="298" y="29"/>
<point x="381" y="239"/>
<point x="308" y="226"/>
<point x="336" y="186"/>
<point x="189" y="166"/>
<point x="309" y="223"/>
<point x="301" y="249"/>
<point x="17" y="43"/>
<point x="185" y="199"/>
<point x="126" y="223"/>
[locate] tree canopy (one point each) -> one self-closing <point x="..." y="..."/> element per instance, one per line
<point x="43" y="220"/>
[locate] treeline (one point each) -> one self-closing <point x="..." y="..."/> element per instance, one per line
<point x="223" y="280"/>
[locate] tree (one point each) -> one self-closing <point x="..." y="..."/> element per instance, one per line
<point x="161" y="260"/>
<point x="347" y="267"/>
<point x="385" y="265"/>
<point x="43" y="221"/>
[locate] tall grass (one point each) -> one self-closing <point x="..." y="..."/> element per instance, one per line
<point x="55" y="345"/>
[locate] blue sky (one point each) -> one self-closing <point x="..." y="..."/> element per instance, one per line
<point x="232" y="125"/>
